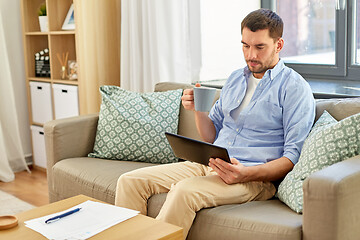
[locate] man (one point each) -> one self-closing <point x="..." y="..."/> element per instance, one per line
<point x="263" y="116"/>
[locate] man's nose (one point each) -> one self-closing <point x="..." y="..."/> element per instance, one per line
<point x="252" y="54"/>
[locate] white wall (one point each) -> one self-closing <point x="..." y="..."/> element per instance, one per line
<point x="10" y="13"/>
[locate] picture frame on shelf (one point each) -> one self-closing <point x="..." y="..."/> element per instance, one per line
<point x="69" y="23"/>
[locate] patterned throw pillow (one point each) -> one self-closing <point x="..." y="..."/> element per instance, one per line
<point x="132" y="125"/>
<point x="329" y="142"/>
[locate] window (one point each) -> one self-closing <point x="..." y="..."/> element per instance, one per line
<point x="322" y="37"/>
<point x="220" y="40"/>
<point x="309" y="31"/>
<point x="354" y="40"/>
<point x="357" y="39"/>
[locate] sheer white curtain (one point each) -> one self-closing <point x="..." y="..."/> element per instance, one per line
<point x="155" y="43"/>
<point x="11" y="151"/>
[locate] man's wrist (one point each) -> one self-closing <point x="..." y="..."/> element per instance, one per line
<point x="254" y="173"/>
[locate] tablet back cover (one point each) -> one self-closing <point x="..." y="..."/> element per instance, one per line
<point x="194" y="150"/>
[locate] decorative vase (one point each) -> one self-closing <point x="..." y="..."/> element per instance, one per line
<point x="43" y="21"/>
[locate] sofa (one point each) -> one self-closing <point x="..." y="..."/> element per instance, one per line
<point x="331" y="195"/>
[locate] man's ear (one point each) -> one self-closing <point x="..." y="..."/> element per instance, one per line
<point x="279" y="45"/>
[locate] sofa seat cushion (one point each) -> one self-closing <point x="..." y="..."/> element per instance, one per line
<point x="90" y="176"/>
<point x="258" y="220"/>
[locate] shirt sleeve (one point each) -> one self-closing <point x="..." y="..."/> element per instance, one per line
<point x="216" y="115"/>
<point x="298" y="117"/>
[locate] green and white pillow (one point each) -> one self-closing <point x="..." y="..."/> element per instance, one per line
<point x="132" y="125"/>
<point x="329" y="142"/>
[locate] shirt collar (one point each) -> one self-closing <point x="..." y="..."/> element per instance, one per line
<point x="271" y="72"/>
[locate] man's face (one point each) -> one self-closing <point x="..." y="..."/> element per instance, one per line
<point x="261" y="52"/>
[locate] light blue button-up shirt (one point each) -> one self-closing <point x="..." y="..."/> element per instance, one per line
<point x="274" y="124"/>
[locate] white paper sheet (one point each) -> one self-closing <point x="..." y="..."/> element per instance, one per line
<point x="94" y="217"/>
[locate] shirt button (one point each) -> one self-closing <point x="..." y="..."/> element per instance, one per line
<point x="238" y="101"/>
<point x="229" y="143"/>
<point x="228" y="114"/>
<point x="237" y="129"/>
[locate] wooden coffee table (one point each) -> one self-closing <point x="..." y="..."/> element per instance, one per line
<point x="139" y="227"/>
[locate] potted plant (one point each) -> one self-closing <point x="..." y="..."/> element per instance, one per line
<point x="43" y="19"/>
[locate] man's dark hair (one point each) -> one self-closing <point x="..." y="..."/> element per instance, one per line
<point x="264" y="19"/>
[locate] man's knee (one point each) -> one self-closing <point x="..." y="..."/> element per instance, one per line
<point x="186" y="191"/>
<point x="124" y="178"/>
<point x="131" y="179"/>
<point x="133" y="175"/>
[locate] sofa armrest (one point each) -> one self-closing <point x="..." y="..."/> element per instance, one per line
<point x="331" y="202"/>
<point x="68" y="138"/>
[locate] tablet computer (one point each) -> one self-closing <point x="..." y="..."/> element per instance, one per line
<point x="194" y="150"/>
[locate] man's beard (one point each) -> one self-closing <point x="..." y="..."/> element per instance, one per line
<point x="260" y="68"/>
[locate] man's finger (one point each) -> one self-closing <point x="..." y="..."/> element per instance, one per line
<point x="187" y="97"/>
<point x="219" y="172"/>
<point x="225" y="165"/>
<point x="220" y="165"/>
<point x="215" y="166"/>
<point x="188" y="91"/>
<point x="234" y="161"/>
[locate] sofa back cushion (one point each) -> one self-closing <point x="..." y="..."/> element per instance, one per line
<point x="187" y="125"/>
<point x="339" y="108"/>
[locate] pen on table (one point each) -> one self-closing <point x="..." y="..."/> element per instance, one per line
<point x="50" y="220"/>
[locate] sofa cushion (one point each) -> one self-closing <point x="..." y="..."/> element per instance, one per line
<point x="132" y="125"/>
<point x="253" y="220"/>
<point x="90" y="176"/>
<point x="322" y="148"/>
<point x="339" y="108"/>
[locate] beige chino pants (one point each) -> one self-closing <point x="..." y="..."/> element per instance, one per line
<point x="190" y="187"/>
